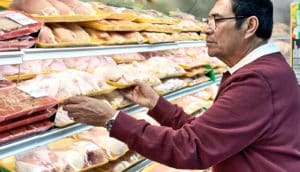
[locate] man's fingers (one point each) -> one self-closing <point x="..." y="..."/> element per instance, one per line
<point x="71" y="108"/>
<point x="74" y="100"/>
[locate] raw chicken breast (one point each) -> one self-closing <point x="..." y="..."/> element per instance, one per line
<point x="63" y="34"/>
<point x="100" y="136"/>
<point x="31" y="67"/>
<point x="46" y="35"/>
<point x="41" y="7"/>
<point x="81" y="34"/>
<point x="80" y="7"/>
<point x="61" y="7"/>
<point x="57" y="65"/>
<point x="6" y="70"/>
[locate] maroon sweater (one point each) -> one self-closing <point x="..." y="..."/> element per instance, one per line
<point x="253" y="125"/>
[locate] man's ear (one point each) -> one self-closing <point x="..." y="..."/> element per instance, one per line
<point x="250" y="25"/>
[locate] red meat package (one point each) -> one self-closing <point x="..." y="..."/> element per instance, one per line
<point x="15" y="24"/>
<point x="15" y="103"/>
<point x="21" y="132"/>
<point x="26" y="120"/>
<point x="18" y="43"/>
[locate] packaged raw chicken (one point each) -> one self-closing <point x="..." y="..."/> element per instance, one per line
<point x="114" y="25"/>
<point x="170" y="85"/>
<point x="128" y="58"/>
<point x="153" y="37"/>
<point x="69" y="83"/>
<point x="162" y="67"/>
<point x="59" y="10"/>
<point x="99" y="135"/>
<point x="116" y="13"/>
<point x="187" y="62"/>
<point x="124" y="75"/>
<point x="152" y="16"/>
<point x="46" y="36"/>
<point x="142" y="115"/>
<point x="62" y="118"/>
<point x="43" y="159"/>
<point x="117" y="100"/>
<point x="191" y="104"/>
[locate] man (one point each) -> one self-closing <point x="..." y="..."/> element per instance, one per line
<point x="253" y="125"/>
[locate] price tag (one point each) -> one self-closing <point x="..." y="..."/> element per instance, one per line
<point x="21" y="19"/>
<point x="33" y="91"/>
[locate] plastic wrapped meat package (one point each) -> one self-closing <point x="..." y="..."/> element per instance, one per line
<point x="142" y="115"/>
<point x="16" y="103"/>
<point x="124" y="75"/>
<point x="190" y="104"/>
<point x="121" y="164"/>
<point x="62" y="118"/>
<point x="87" y="64"/>
<point x="117" y="100"/>
<point x="23" y="131"/>
<point x="26" y="120"/>
<point x="53" y="7"/>
<point x="128" y="58"/>
<point x="187" y="62"/>
<point x="162" y="67"/>
<point x="75" y="156"/>
<point x="17" y="30"/>
<point x="99" y="135"/>
<point x="68" y="83"/>
<point x="170" y="85"/>
<point x="15" y="24"/>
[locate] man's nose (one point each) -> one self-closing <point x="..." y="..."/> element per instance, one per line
<point x="207" y="30"/>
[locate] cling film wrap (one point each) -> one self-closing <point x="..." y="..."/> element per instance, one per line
<point x="113" y="148"/>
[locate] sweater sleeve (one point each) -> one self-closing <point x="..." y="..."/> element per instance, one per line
<point x="241" y="115"/>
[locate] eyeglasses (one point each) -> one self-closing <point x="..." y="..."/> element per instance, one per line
<point x="211" y="20"/>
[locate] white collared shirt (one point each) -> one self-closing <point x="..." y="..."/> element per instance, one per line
<point x="253" y="55"/>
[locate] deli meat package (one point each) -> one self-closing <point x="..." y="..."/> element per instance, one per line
<point x="15" y="24"/>
<point x="15" y="103"/>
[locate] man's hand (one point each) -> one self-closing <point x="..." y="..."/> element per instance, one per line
<point x="89" y="110"/>
<point x="143" y="95"/>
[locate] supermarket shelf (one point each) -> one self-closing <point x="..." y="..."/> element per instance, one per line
<point x="138" y="167"/>
<point x="50" y="53"/>
<point x="59" y="133"/>
<point x="11" y="57"/>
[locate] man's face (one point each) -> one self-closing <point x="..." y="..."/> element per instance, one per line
<point x="225" y="39"/>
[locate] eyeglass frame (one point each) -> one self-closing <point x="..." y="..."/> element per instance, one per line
<point x="213" y="25"/>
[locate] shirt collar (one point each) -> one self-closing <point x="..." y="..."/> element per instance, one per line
<point x="253" y="55"/>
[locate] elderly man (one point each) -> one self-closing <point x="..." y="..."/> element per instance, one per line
<point x="253" y="125"/>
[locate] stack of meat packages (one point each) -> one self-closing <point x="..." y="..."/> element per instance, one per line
<point x="23" y="115"/>
<point x="17" y="30"/>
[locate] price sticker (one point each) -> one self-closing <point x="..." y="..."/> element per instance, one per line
<point x="21" y="19"/>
